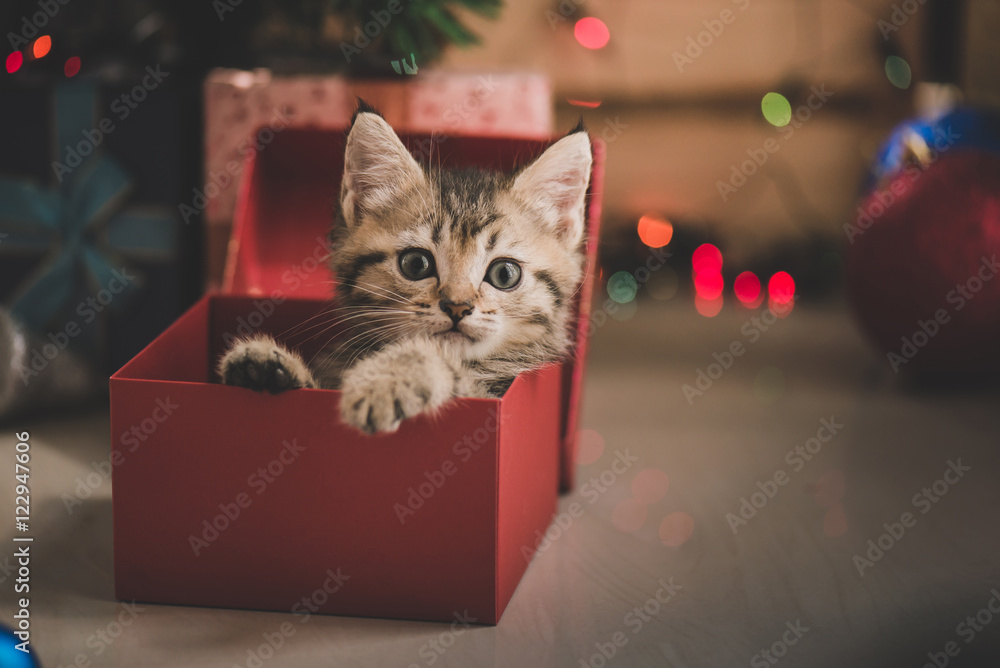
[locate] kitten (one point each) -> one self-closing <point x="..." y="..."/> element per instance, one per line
<point x="450" y="282"/>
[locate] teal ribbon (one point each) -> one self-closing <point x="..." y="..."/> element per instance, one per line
<point x="68" y="220"/>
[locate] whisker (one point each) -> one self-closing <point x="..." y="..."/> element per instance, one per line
<point x="391" y="297"/>
<point x="387" y="318"/>
<point x="326" y="310"/>
<point x="343" y="330"/>
<point x="401" y="327"/>
<point x="389" y="322"/>
<point x="385" y="289"/>
<point x="380" y="310"/>
<point x="375" y="332"/>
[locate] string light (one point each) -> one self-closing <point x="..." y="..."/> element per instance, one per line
<point x="591" y="32"/>
<point x="898" y="72"/>
<point x="72" y="66"/>
<point x="708" y="307"/>
<point x="14" y="62"/>
<point x="781" y="288"/>
<point x="654" y="231"/>
<point x="747" y="287"/>
<point x="622" y="287"/>
<point x="776" y="109"/>
<point x="706" y="258"/>
<point x="709" y="284"/>
<point x="41" y="47"/>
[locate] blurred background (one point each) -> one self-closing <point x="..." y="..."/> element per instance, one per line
<point x="829" y="165"/>
<point x="755" y="126"/>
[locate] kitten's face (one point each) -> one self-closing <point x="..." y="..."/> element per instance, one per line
<point x="486" y="263"/>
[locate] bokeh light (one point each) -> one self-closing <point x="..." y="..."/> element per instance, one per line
<point x="676" y="529"/>
<point x="706" y="258"/>
<point x="708" y="307"/>
<point x="709" y="284"/>
<point x="747" y="287"/>
<point x="14" y="62"/>
<point x="663" y="284"/>
<point x="654" y="231"/>
<point x="589" y="446"/>
<point x="898" y="71"/>
<point x="650" y="485"/>
<point x="72" y="66"/>
<point x="591" y="32"/>
<point x="586" y="104"/>
<point x="777" y="109"/>
<point x="622" y="287"/>
<point x="629" y="515"/>
<point x="781" y="287"/>
<point x="781" y="309"/>
<point x="41" y="46"/>
<point x="769" y="384"/>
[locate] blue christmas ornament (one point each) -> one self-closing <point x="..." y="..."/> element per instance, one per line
<point x="926" y="140"/>
<point x="11" y="656"/>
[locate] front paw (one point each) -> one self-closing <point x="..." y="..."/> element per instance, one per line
<point x="262" y="365"/>
<point x="380" y="392"/>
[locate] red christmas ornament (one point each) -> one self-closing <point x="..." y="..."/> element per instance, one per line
<point x="923" y="267"/>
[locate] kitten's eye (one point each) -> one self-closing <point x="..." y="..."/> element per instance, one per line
<point x="504" y="274"/>
<point x="416" y="264"/>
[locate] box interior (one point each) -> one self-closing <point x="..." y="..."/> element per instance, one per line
<point x="189" y="350"/>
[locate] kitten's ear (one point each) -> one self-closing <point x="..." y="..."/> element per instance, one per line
<point x="376" y="167"/>
<point x="558" y="180"/>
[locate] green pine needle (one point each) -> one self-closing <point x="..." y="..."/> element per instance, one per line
<point x="423" y="27"/>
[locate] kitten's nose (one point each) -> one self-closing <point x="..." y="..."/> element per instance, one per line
<point x="455" y="311"/>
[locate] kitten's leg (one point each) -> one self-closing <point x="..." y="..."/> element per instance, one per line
<point x="261" y="364"/>
<point x="404" y="379"/>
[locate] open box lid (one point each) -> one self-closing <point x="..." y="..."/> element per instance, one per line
<point x="287" y="203"/>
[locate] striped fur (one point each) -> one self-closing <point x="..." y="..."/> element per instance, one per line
<point x="399" y="353"/>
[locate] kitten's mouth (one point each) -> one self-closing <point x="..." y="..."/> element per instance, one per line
<point x="455" y="334"/>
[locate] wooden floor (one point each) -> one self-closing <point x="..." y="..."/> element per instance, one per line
<point x="655" y="564"/>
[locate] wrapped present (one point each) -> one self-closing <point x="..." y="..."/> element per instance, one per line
<point x="88" y="256"/>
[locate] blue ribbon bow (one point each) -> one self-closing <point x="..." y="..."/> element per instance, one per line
<point x="68" y="220"/>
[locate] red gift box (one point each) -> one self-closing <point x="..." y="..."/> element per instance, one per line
<point x="227" y="497"/>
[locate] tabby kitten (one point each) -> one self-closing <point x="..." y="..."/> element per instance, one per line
<point x="449" y="282"/>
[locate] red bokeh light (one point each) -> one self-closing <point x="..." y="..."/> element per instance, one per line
<point x="591" y="32"/>
<point x="650" y="485"/>
<point x="747" y="287"/>
<point x="654" y="231"/>
<point x="676" y="529"/>
<point x="781" y="309"/>
<point x="706" y="259"/>
<point x="781" y="288"/>
<point x="72" y="66"/>
<point x="708" y="307"/>
<point x="589" y="446"/>
<point x="709" y="284"/>
<point x="588" y="104"/>
<point x="14" y="61"/>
